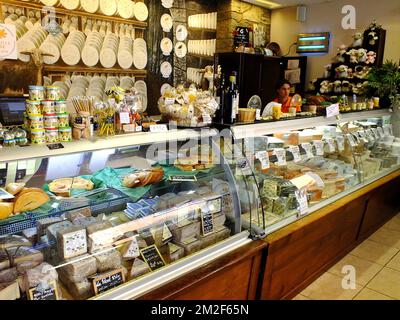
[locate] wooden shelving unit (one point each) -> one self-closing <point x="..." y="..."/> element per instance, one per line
<point x="79" y="68"/>
<point x="201" y="56"/>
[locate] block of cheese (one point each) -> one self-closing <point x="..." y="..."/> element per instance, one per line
<point x="80" y="213"/>
<point x="43" y="273"/>
<point x="71" y="242"/>
<point x="84" y="221"/>
<point x="30" y="234"/>
<point x="79" y="268"/>
<point x="14" y="188"/>
<point x="219" y="220"/>
<point x="190" y="245"/>
<point x="80" y="290"/>
<point x="102" y="235"/>
<point x="139" y="268"/>
<point x="22" y="267"/>
<point x="42" y="225"/>
<point x="207" y="240"/>
<point x="30" y="201"/>
<point x="185" y="230"/>
<point x="6" y="209"/>
<point x="108" y="260"/>
<point x="9" y="291"/>
<point x="175" y="252"/>
<point x="8" y="275"/>
<point x="22" y="255"/>
<point x="52" y="230"/>
<point x="13" y="241"/>
<point x="130" y="249"/>
<point x="147" y="236"/>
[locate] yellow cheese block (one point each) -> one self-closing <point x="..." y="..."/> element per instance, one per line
<point x="6" y="209"/>
<point x="14" y="188"/>
<point x="30" y="201"/>
<point x="26" y="190"/>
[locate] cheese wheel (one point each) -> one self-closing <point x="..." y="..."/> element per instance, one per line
<point x="30" y="201"/>
<point x="70" y="54"/>
<point x="70" y="4"/>
<point x="91" y="6"/>
<point x="90" y="56"/>
<point x="15" y="188"/>
<point x="108" y="7"/>
<point x="6" y="209"/>
<point x="126" y="9"/>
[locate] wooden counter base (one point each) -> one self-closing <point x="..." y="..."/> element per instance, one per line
<point x="299" y="253"/>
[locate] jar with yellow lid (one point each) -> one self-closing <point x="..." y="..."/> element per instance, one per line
<point x="38" y="136"/>
<point x="65" y="134"/>
<point x="53" y="93"/>
<point x="36" y="122"/>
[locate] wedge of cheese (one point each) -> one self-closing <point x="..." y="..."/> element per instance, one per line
<point x="6" y="209"/>
<point x="30" y="201"/>
<point x="14" y="188"/>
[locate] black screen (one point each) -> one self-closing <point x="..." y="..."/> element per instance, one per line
<point x="12" y="110"/>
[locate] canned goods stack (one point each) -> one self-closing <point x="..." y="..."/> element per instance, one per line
<point x="46" y="116"/>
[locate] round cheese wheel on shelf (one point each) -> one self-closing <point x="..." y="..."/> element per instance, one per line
<point x="91" y="6"/>
<point x="50" y="3"/>
<point x="71" y="4"/>
<point x="108" y="7"/>
<point x="126" y="9"/>
<point x="108" y="57"/>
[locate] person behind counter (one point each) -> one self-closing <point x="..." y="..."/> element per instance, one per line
<point x="283" y="90"/>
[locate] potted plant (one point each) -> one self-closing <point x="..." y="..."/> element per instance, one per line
<point x="384" y="82"/>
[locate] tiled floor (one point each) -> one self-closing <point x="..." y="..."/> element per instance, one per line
<point x="369" y="272"/>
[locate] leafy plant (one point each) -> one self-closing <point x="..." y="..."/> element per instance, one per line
<point x="384" y="81"/>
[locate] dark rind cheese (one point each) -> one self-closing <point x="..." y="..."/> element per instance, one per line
<point x="42" y="225"/>
<point x="79" y="268"/>
<point x="108" y="260"/>
<point x="52" y="230"/>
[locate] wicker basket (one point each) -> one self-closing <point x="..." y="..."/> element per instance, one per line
<point x="247" y="115"/>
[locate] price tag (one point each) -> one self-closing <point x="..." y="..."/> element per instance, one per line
<point x="362" y="134"/>
<point x="308" y="149"/>
<point x="258" y="114"/>
<point x="295" y="150"/>
<point x="152" y="257"/>
<point x="187" y="178"/>
<point x="386" y="130"/>
<point x="281" y="155"/>
<point x="301" y="197"/>
<point x="169" y="101"/>
<point x="206" y="118"/>
<point x="319" y="147"/>
<point x="107" y="281"/>
<point x="264" y="159"/>
<point x="242" y="167"/>
<point x="139" y="129"/>
<point x="351" y="139"/>
<point x="50" y="292"/>
<point x="340" y="142"/>
<point x="158" y="128"/>
<point x="55" y="146"/>
<point x="380" y="132"/>
<point x="124" y="118"/>
<point x="331" y="145"/>
<point x="207" y="223"/>
<point x="332" y="110"/>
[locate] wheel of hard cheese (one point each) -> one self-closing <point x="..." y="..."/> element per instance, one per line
<point x="50" y="3"/>
<point x="108" y="57"/>
<point x="90" y="56"/>
<point x="126" y="9"/>
<point x="71" y="4"/>
<point x="108" y="7"/>
<point x="91" y="6"/>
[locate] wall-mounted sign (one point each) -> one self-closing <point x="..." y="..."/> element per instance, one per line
<point x="313" y="42"/>
<point x="8" y="42"/>
<point x="241" y="36"/>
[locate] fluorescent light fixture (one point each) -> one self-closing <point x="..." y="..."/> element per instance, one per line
<point x="264" y="3"/>
<point x="311" y="47"/>
<point x="312" y="38"/>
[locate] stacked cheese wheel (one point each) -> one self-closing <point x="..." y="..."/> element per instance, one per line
<point x="126" y="82"/>
<point x="126" y="9"/>
<point x="29" y="41"/>
<point x="139" y="53"/>
<point x="71" y="4"/>
<point x="125" y="52"/>
<point x="53" y="46"/>
<point x="96" y="87"/>
<point x="91" y="50"/>
<point x="108" y="53"/>
<point x="71" y="51"/>
<point x="141" y="87"/>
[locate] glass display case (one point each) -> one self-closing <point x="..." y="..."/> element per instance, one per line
<point x="112" y="219"/>
<point x="300" y="166"/>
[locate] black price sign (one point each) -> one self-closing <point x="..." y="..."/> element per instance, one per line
<point x="152" y="257"/>
<point x="207" y="222"/>
<point x="55" y="146"/>
<point x="242" y="36"/>
<point x="107" y="281"/>
<point x="40" y="293"/>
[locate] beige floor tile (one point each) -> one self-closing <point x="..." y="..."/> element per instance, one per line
<point x="301" y="297"/>
<point x="368" y="294"/>
<point x="393" y="224"/>
<point x="374" y="252"/>
<point x="329" y="287"/>
<point x="365" y="270"/>
<point x="387" y="282"/>
<point x="387" y="237"/>
<point x="395" y="262"/>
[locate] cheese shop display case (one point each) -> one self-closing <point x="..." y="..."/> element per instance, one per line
<point x="115" y="218"/>
<point x="301" y="166"/>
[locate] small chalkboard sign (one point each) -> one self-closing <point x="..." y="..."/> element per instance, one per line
<point x="242" y="36"/>
<point x="152" y="257"/>
<point x="207" y="222"/>
<point x="107" y="281"/>
<point x="55" y="146"/>
<point x="40" y="293"/>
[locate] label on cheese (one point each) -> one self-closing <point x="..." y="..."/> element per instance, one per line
<point x="295" y="150"/>
<point x="340" y="142"/>
<point x="133" y="249"/>
<point x="351" y="140"/>
<point x="301" y="197"/>
<point x="281" y="156"/>
<point x="308" y="149"/>
<point x="264" y="159"/>
<point x="331" y="145"/>
<point x="319" y="147"/>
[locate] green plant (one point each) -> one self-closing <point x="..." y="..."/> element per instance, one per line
<point x="384" y="81"/>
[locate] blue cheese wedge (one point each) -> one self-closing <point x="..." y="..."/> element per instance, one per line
<point x="71" y="242"/>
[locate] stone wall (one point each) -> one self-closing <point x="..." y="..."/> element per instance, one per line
<point x="234" y="13"/>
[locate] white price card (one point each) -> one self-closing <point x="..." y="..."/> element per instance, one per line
<point x="301" y="197"/>
<point x="169" y="101"/>
<point x="206" y="118"/>
<point x="308" y="149"/>
<point x="8" y="42"/>
<point x="362" y="134"/>
<point x="295" y="150"/>
<point x="281" y="156"/>
<point x="264" y="159"/>
<point x="370" y="134"/>
<point x="351" y="140"/>
<point x="258" y="114"/>
<point x="319" y="147"/>
<point x="124" y="118"/>
<point x="158" y="128"/>
<point x="340" y="142"/>
<point x="380" y="132"/>
<point x="390" y="129"/>
<point x="332" y="110"/>
<point x="331" y="145"/>
<point x="242" y="167"/>
<point x="386" y="130"/>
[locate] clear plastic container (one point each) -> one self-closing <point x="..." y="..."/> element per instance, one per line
<point x="48" y="107"/>
<point x="33" y="107"/>
<point x="51" y="135"/>
<point x="60" y="106"/>
<point x="36" y="93"/>
<point x="65" y="134"/>
<point x="38" y="136"/>
<point x="53" y="93"/>
<point x="50" y="121"/>
<point x="63" y="120"/>
<point x="36" y="122"/>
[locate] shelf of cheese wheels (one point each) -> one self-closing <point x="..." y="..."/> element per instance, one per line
<point x="85" y="236"/>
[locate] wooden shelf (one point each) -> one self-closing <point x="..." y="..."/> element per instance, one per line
<point x="201" y="56"/>
<point x="63" y="11"/>
<point x="79" y="68"/>
<point x="202" y="30"/>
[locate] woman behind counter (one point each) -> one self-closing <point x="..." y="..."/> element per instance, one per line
<point x="283" y="90"/>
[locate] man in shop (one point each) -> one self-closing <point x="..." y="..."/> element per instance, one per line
<point x="283" y="90"/>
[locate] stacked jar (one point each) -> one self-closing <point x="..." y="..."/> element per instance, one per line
<point x="46" y="115"/>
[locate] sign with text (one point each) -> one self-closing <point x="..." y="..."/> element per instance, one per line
<point x="295" y="150"/>
<point x="281" y="156"/>
<point x="182" y="178"/>
<point x="308" y="149"/>
<point x="158" y="128"/>
<point x="8" y="42"/>
<point x="332" y="110"/>
<point x="319" y="147"/>
<point x="48" y="293"/>
<point x="301" y="197"/>
<point x="242" y="36"/>
<point x="107" y="281"/>
<point x="264" y="159"/>
<point x="152" y="257"/>
<point x="207" y="222"/>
